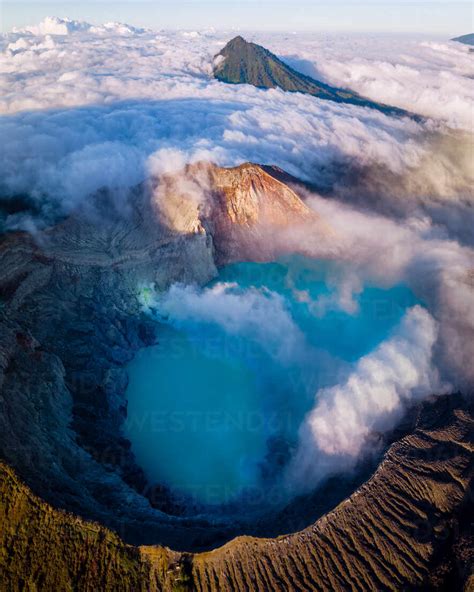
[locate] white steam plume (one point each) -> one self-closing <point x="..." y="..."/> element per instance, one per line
<point x="256" y="314"/>
<point x="372" y="399"/>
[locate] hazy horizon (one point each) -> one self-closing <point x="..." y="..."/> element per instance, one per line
<point x="426" y="17"/>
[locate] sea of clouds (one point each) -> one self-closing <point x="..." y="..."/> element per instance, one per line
<point x="90" y="107"/>
<point x="87" y="106"/>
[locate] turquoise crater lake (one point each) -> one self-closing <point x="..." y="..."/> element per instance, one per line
<point x="215" y="406"/>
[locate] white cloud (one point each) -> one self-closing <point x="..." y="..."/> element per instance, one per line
<point x="153" y="91"/>
<point x="420" y="74"/>
<point x="429" y="77"/>
<point x="259" y="315"/>
<point x="53" y="25"/>
<point x="228" y="126"/>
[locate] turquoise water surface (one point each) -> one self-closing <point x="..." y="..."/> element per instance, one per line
<point x="212" y="412"/>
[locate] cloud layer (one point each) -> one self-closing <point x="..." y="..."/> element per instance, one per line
<point x="432" y="77"/>
<point x="87" y="107"/>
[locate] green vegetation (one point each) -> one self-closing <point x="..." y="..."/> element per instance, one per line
<point x="241" y="62"/>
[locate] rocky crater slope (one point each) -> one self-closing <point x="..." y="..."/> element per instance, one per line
<point x="70" y="319"/>
<point x="408" y="528"/>
<point x="247" y="210"/>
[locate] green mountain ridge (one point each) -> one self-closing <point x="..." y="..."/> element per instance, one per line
<point x="242" y="62"/>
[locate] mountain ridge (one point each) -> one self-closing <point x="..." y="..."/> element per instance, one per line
<point x="467" y="39"/>
<point x="243" y="62"/>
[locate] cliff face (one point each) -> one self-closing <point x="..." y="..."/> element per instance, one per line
<point x="245" y="209"/>
<point x="247" y="196"/>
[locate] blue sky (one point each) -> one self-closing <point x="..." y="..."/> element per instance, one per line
<point x="425" y="16"/>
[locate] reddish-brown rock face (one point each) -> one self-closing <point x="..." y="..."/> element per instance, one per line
<point x="244" y="208"/>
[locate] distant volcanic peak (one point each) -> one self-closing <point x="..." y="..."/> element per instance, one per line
<point x="243" y="62"/>
<point x="466" y="39"/>
<point x="238" y="41"/>
<point x="249" y="63"/>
